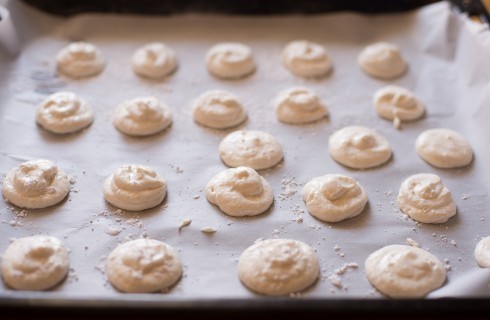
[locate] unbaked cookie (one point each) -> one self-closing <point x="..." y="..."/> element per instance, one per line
<point x="444" y="148"/>
<point x="154" y="60"/>
<point x="240" y="192"/>
<point x="382" y="60"/>
<point x="64" y="112"/>
<point x="143" y="266"/>
<point x="306" y="59"/>
<point x="218" y="109"/>
<point x="482" y="253"/>
<point x="424" y="198"/>
<point x="401" y="271"/>
<point x="359" y="147"/>
<point x="254" y="149"/>
<point x="299" y="105"/>
<point x="142" y="116"/>
<point x="334" y="197"/>
<point x="230" y="60"/>
<point x="398" y="104"/>
<point x="278" y="267"/>
<point x="134" y="187"/>
<point x="80" y="60"/>
<point x="36" y="184"/>
<point x="35" y="263"/>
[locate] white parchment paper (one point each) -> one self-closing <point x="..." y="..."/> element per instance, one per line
<point x="449" y="70"/>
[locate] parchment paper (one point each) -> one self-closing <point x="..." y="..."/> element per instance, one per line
<point x="449" y="70"/>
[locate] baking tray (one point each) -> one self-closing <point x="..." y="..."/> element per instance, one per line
<point x="446" y="71"/>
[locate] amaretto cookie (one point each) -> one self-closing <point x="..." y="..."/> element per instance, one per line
<point x="218" y="109"/>
<point x="240" y="192"/>
<point x="398" y="104"/>
<point x="35" y="263"/>
<point x="142" y="116"/>
<point x="249" y="148"/>
<point x="306" y="59"/>
<point x="299" y="105"/>
<point x="64" y="112"/>
<point x="135" y="187"/>
<point x="334" y="197"/>
<point x="278" y="267"/>
<point x="482" y="253"/>
<point x="143" y="266"/>
<point x="154" y="60"/>
<point x="424" y="198"/>
<point x="36" y="184"/>
<point x="230" y="60"/>
<point x="382" y="60"/>
<point x="359" y="147"/>
<point x="401" y="271"/>
<point x="80" y="60"/>
<point x="444" y="148"/>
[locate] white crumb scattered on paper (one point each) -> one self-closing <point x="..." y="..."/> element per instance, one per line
<point x="185" y="223"/>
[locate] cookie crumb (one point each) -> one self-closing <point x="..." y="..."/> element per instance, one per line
<point x="185" y="223"/>
<point x="413" y="243"/>
<point x="208" y="230"/>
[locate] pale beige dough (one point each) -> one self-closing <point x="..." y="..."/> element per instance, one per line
<point x="359" y="147"/>
<point x="401" y="271"/>
<point x="230" y="60"/>
<point x="382" y="60"/>
<point x="482" y="253"/>
<point x="80" y="60"/>
<point x="444" y="148"/>
<point x="393" y="102"/>
<point x="299" y="105"/>
<point x="306" y="59"/>
<point x="424" y="198"/>
<point x="142" y="116"/>
<point x="135" y="187"/>
<point x="36" y="184"/>
<point x="278" y="267"/>
<point x="35" y="263"/>
<point x="143" y="266"/>
<point x="64" y="112"/>
<point x="334" y="197"/>
<point x="218" y="109"/>
<point x="249" y="148"/>
<point x="154" y="60"/>
<point x="240" y="192"/>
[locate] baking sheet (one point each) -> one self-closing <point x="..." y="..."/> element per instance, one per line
<point x="449" y="70"/>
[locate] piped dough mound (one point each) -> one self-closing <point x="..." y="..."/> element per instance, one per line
<point x="35" y="263"/>
<point x="240" y="192"/>
<point x="135" y="187"/>
<point x="482" y="253"/>
<point x="382" y="60"/>
<point x="64" y="112"/>
<point x="359" y="147"/>
<point x="218" y="109"/>
<point x="444" y="148"/>
<point x="334" y="197"/>
<point x="154" y="60"/>
<point x="249" y="148"/>
<point x="401" y="271"/>
<point x="80" y="60"/>
<point x="230" y="60"/>
<point x="299" y="105"/>
<point x="142" y="116"/>
<point x="393" y="102"/>
<point x="36" y="184"/>
<point x="143" y="266"/>
<point x="424" y="198"/>
<point x="306" y="59"/>
<point x="278" y="267"/>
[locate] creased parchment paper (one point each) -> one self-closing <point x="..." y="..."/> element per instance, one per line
<point x="449" y="70"/>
